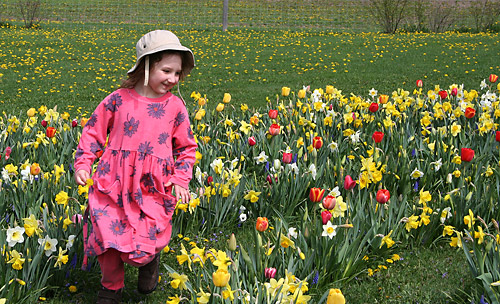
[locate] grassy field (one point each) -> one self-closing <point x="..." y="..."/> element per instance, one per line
<point x="54" y="66"/>
<point x="74" y="67"/>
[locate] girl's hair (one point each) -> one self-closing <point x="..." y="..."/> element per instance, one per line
<point x="138" y="74"/>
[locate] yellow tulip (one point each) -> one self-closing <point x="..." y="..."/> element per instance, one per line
<point x="335" y="296"/>
<point x="202" y="102"/>
<point x="285" y="91"/>
<point x="227" y="98"/>
<point x="329" y="89"/>
<point x="301" y="94"/>
<point x="221" y="277"/>
<point x="220" y="107"/>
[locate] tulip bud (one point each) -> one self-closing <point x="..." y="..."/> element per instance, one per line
<point x="497" y="136"/>
<point x="252" y="141"/>
<point x="210" y="180"/>
<point x="74" y="123"/>
<point x="8" y="150"/>
<point x="262" y="224"/>
<point x="269" y="179"/>
<point x="306" y="232"/>
<point x="349" y="183"/>
<point x="329" y="89"/>
<point x="383" y="196"/>
<point x="329" y="202"/>
<point x="231" y="243"/>
<point x="277" y="164"/>
<point x="273" y="114"/>
<point x="270" y="272"/>
<point x="325" y="216"/>
<point x="44" y="123"/>
<point x="420" y="83"/>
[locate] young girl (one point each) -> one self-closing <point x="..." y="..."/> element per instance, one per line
<point x="142" y="137"/>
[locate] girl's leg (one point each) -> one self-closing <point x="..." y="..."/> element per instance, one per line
<point x="112" y="269"/>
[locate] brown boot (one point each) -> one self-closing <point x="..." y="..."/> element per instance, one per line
<point x="148" y="276"/>
<point x="108" y="296"/>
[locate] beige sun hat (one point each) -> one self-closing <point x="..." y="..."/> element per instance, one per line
<point x="157" y="41"/>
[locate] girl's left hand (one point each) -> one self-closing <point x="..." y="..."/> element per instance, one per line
<point x="181" y="193"/>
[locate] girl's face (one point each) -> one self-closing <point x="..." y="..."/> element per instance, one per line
<point x="164" y="75"/>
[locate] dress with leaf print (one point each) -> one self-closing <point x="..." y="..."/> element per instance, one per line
<point x="141" y="144"/>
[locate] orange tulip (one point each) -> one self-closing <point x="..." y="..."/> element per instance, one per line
<point x="469" y="112"/>
<point x="50" y="132"/>
<point x="262" y="224"/>
<point x="383" y="99"/>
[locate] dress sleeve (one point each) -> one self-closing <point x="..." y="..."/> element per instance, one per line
<point x="184" y="149"/>
<point x="94" y="134"/>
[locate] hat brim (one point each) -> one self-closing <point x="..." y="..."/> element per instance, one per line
<point x="169" y="47"/>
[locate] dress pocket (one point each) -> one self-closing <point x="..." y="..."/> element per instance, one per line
<point x="101" y="186"/>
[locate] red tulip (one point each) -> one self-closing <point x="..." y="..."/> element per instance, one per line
<point x="316" y="194"/>
<point x="270" y="179"/>
<point x="420" y="83"/>
<point x="287" y="157"/>
<point x="274" y="129"/>
<point x="466" y="154"/>
<point x="50" y="132"/>
<point x="497" y="136"/>
<point x="469" y="112"/>
<point x="74" y="123"/>
<point x="8" y="150"/>
<point x="377" y="136"/>
<point x="493" y="78"/>
<point x="349" y="183"/>
<point x="329" y="202"/>
<point x="454" y="92"/>
<point x="44" y="123"/>
<point x="317" y="142"/>
<point x="325" y="216"/>
<point x="270" y="272"/>
<point x="252" y="141"/>
<point x="273" y="114"/>
<point x="262" y="224"/>
<point x="373" y="107"/>
<point x="210" y="179"/>
<point x="383" y="196"/>
<point x="443" y="94"/>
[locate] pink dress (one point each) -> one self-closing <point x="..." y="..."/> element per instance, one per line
<point x="150" y="143"/>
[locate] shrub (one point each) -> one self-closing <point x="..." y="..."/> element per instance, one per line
<point x="388" y="13"/>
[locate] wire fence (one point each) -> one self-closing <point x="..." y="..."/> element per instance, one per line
<point x="331" y="15"/>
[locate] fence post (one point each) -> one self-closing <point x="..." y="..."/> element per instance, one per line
<point x="225" y="9"/>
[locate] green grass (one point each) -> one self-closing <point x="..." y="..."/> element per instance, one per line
<point x="54" y="66"/>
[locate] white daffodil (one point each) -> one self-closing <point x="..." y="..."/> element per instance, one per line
<point x="437" y="164"/>
<point x="49" y="245"/>
<point x="312" y="170"/>
<point x="15" y="235"/>
<point x="71" y="240"/>
<point x="416" y="174"/>
<point x="373" y="93"/>
<point x="217" y="165"/>
<point x="329" y="230"/>
<point x="292" y="232"/>
<point x="261" y="158"/>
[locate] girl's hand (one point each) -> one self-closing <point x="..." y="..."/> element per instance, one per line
<point x="181" y="193"/>
<point x="81" y="177"/>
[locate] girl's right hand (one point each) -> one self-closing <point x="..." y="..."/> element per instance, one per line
<point x="81" y="177"/>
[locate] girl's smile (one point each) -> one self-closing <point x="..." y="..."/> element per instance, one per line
<point x="164" y="75"/>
